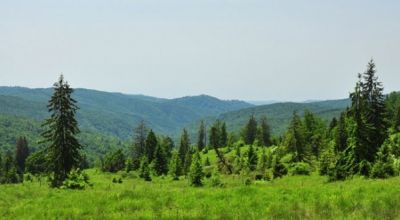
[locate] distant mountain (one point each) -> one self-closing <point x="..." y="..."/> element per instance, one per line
<point x="117" y="114"/>
<point x="278" y="114"/>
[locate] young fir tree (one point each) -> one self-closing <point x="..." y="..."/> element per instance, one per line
<point x="262" y="162"/>
<point x="250" y="131"/>
<point x="21" y="153"/>
<point x="214" y="136"/>
<point x="252" y="158"/>
<point x="295" y="139"/>
<point x="184" y="146"/>
<point x="175" y="166"/>
<point x="139" y="144"/>
<point x="60" y="133"/>
<point x="201" y="137"/>
<point x="196" y="174"/>
<point x="265" y="132"/>
<point x="341" y="134"/>
<point x="9" y="172"/>
<point x="168" y="146"/>
<point x="223" y="136"/>
<point x="187" y="162"/>
<point x="151" y="145"/>
<point x="160" y="162"/>
<point x="129" y="166"/>
<point x="145" y="169"/>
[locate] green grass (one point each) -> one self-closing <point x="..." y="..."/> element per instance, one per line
<point x="296" y="197"/>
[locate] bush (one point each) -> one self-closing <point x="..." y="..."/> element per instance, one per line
<point x="382" y="170"/>
<point x="300" y="168"/>
<point x="114" y="162"/>
<point x="216" y="180"/>
<point x="117" y="180"/>
<point x="76" y="180"/>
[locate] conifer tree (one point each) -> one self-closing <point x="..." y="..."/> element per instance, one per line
<point x="396" y="124"/>
<point x="341" y="134"/>
<point x="295" y="139"/>
<point x="168" y="146"/>
<point x="201" y="137"/>
<point x="145" y="169"/>
<point x="21" y="153"/>
<point x="223" y="136"/>
<point x="265" y="132"/>
<point x="214" y="136"/>
<point x="184" y="146"/>
<point x="262" y="162"/>
<point x="151" y="145"/>
<point x="252" y="158"/>
<point x="250" y="131"/>
<point x="175" y="166"/>
<point x="196" y="171"/>
<point x="160" y="162"/>
<point x="187" y="162"/>
<point x="139" y="144"/>
<point x="60" y="133"/>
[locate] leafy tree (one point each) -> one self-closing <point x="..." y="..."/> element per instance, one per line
<point x="144" y="172"/>
<point x="252" y="158"/>
<point x="21" y="153"/>
<point x="160" y="162"/>
<point x="114" y="161"/>
<point x="196" y="171"/>
<point x="201" y="137"/>
<point x="175" y="166"/>
<point x="151" y="145"/>
<point x="250" y="131"/>
<point x="60" y="133"/>
<point x="184" y="146"/>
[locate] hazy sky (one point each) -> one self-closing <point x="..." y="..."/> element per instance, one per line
<point x="232" y="49"/>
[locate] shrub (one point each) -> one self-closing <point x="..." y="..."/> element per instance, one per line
<point x="382" y="170"/>
<point x="300" y="168"/>
<point x="114" y="162"/>
<point x="196" y="171"/>
<point x="216" y="180"/>
<point x="76" y="180"/>
<point x="117" y="180"/>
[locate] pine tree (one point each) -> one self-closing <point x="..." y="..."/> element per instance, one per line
<point x="145" y="169"/>
<point x="187" y="162"/>
<point x="223" y="136"/>
<point x="184" y="146"/>
<point x="21" y="153"/>
<point x="160" y="162"/>
<point x="60" y="133"/>
<point x="252" y="158"/>
<point x="196" y="171"/>
<point x="201" y="137"/>
<point x="139" y="145"/>
<point x="151" y="145"/>
<point x="250" y="131"/>
<point x="175" y="166"/>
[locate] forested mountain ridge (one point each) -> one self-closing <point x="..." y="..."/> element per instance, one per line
<point x="117" y="114"/>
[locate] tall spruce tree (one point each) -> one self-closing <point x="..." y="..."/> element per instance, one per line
<point x="201" y="137"/>
<point x="160" y="162"/>
<point x="295" y="139"/>
<point x="341" y="134"/>
<point x="250" y="131"/>
<point x="168" y="146"/>
<point x="21" y="153"/>
<point x="151" y="145"/>
<point x="175" y="167"/>
<point x="265" y="132"/>
<point x="60" y="133"/>
<point x="214" y="135"/>
<point x="374" y="109"/>
<point x="396" y="123"/>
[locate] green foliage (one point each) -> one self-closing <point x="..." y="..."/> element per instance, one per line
<point x="60" y="133"/>
<point x="76" y="180"/>
<point x="264" y="133"/>
<point x="295" y="139"/>
<point x="8" y="171"/>
<point x="37" y="163"/>
<point x="21" y="153"/>
<point x="151" y="145"/>
<point x="384" y="165"/>
<point x="184" y="148"/>
<point x="252" y="158"/>
<point x="175" y="168"/>
<point x="300" y="168"/>
<point x="196" y="174"/>
<point x="144" y="171"/>
<point x="129" y="166"/>
<point x="114" y="161"/>
<point x="250" y="131"/>
<point x="160" y="162"/>
<point x="201" y="137"/>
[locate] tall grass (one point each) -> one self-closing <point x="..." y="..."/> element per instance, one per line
<point x="295" y="197"/>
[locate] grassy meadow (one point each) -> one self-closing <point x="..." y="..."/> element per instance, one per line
<point x="294" y="197"/>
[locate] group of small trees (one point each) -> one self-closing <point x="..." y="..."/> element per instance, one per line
<point x="12" y="167"/>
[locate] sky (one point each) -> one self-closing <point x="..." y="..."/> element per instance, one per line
<point x="232" y="49"/>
